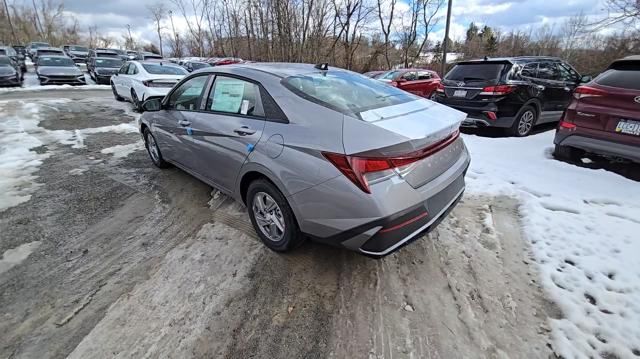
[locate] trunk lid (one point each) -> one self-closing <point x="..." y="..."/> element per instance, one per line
<point x="407" y="128"/>
<point x="612" y="100"/>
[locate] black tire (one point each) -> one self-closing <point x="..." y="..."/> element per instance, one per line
<point x="115" y="94"/>
<point x="525" y="120"/>
<point x="566" y="153"/>
<point x="291" y="237"/>
<point x="137" y="105"/>
<point x="156" y="156"/>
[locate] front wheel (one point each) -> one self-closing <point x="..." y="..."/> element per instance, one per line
<point x="153" y="150"/>
<point x="524" y="122"/>
<point x="272" y="217"/>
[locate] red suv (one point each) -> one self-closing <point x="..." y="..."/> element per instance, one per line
<point x="604" y="115"/>
<point x="417" y="81"/>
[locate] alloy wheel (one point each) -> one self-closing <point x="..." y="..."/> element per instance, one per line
<point x="268" y="216"/>
<point x="152" y="147"/>
<point x="526" y="122"/>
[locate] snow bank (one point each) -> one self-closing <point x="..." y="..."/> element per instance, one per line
<point x="30" y="86"/>
<point x="583" y="226"/>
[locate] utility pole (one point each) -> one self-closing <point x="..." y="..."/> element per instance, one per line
<point x="13" y="32"/>
<point x="175" y="35"/>
<point x="446" y="40"/>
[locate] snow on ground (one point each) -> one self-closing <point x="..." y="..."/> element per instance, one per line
<point x="18" y="163"/>
<point x="583" y="226"/>
<point x="20" y="136"/>
<point x="122" y="151"/>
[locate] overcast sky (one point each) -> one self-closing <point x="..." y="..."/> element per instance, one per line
<point x="112" y="16"/>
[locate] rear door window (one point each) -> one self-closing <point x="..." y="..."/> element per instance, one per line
<point x="481" y="72"/>
<point x="529" y="70"/>
<point x="424" y="75"/>
<point x="410" y="76"/>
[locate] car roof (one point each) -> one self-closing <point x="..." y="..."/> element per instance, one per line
<point x="512" y="59"/>
<point x="279" y="69"/>
<point x="50" y="49"/>
<point x="106" y="58"/>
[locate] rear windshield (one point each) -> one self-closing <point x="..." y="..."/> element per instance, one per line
<point x="475" y="72"/>
<point x="78" y="48"/>
<point x="40" y="44"/>
<point x="623" y="75"/>
<point x="107" y="54"/>
<point x="389" y="75"/>
<point x="3" y="52"/>
<point x="118" y="51"/>
<point x="108" y="63"/>
<point x="55" y="61"/>
<point x="152" y="57"/>
<point x="346" y="92"/>
<point x="159" y="69"/>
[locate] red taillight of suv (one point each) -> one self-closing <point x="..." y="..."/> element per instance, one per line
<point x="498" y="90"/>
<point x="355" y="168"/>
<point x="586" y="91"/>
<point x="440" y="88"/>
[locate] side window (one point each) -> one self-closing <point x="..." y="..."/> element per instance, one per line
<point x="424" y="75"/>
<point x="410" y="76"/>
<point x="235" y="96"/>
<point x="133" y="69"/>
<point x="567" y="74"/>
<point x="529" y="70"/>
<point x="123" y="69"/>
<point x="548" y="71"/>
<point x="187" y="96"/>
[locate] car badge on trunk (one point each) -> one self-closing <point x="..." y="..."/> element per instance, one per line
<point x="460" y="84"/>
<point x="637" y="99"/>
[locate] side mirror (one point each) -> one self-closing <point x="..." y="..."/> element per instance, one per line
<point x="585" y="79"/>
<point x="151" y="105"/>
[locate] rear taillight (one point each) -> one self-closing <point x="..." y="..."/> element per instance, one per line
<point x="586" y="91"/>
<point x="440" y="87"/>
<point x="157" y="83"/>
<point x="498" y="90"/>
<point x="567" y="125"/>
<point x="355" y="168"/>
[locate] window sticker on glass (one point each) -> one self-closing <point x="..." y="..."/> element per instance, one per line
<point x="227" y="96"/>
<point x="245" y="107"/>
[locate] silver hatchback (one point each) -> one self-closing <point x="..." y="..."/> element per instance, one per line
<point x="314" y="152"/>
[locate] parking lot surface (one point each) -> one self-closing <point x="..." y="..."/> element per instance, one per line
<point x="108" y="256"/>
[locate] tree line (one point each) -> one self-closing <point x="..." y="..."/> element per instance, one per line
<point x="361" y="35"/>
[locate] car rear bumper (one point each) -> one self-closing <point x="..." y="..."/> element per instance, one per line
<point x="478" y="117"/>
<point x="591" y="142"/>
<point x="151" y="92"/>
<point x="339" y="214"/>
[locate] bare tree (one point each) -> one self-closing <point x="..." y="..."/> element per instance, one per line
<point x="430" y="9"/>
<point x="572" y="30"/>
<point x="383" y="9"/>
<point x="158" y="12"/>
<point x="620" y="11"/>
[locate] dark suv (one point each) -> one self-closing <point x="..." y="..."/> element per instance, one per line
<point x="514" y="93"/>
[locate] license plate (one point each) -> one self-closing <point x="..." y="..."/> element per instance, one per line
<point x="460" y="93"/>
<point x="629" y="127"/>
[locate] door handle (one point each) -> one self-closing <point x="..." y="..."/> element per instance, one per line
<point x="184" y="123"/>
<point x="244" y="131"/>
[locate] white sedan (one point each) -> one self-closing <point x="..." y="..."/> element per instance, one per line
<point x="138" y="81"/>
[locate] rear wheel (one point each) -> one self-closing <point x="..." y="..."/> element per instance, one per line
<point x="115" y="93"/>
<point x="566" y="153"/>
<point x="272" y="217"/>
<point x="524" y="122"/>
<point x="153" y="150"/>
